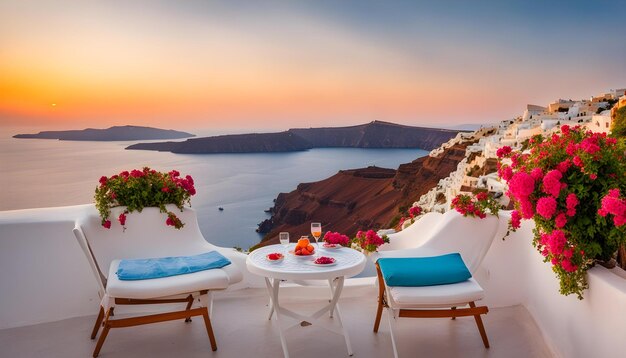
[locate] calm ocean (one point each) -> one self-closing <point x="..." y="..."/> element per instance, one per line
<point x="43" y="173"/>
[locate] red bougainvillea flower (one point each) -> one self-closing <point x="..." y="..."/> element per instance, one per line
<point x="503" y="151"/>
<point x="336" y="238"/>
<point x="107" y="224"/>
<point x="552" y="183"/>
<point x="415" y="211"/>
<point x="122" y="219"/>
<point x="546" y="207"/>
<point x="516" y="219"/>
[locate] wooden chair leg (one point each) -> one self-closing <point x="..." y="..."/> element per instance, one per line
<point x="103" y="336"/>
<point x="481" y="327"/>
<point x="189" y="304"/>
<point x="209" y="328"/>
<point x="96" y="326"/>
<point x="381" y="298"/>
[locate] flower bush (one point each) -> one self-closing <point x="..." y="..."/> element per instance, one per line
<point x="569" y="184"/>
<point x="336" y="238"/>
<point x="413" y="213"/>
<point x="477" y="205"/>
<point x="368" y="241"/>
<point x="138" y="189"/>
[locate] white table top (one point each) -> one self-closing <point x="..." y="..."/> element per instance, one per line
<point x="349" y="263"/>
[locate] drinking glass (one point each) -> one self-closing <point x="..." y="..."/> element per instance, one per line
<point x="284" y="239"/>
<point x="316" y="231"/>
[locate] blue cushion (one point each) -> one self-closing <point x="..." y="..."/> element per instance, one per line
<point x="424" y="271"/>
<point x="142" y="269"/>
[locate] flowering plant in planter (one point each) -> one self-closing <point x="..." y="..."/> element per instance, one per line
<point x="138" y="189"/>
<point x="569" y="184"/>
<point x="477" y="205"/>
<point x="369" y="241"/>
<point x="336" y="238"/>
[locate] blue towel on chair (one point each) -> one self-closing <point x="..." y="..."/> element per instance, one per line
<point x="143" y="269"/>
<point x="424" y="271"/>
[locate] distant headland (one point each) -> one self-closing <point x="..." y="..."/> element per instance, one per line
<point x="376" y="134"/>
<point x="116" y="133"/>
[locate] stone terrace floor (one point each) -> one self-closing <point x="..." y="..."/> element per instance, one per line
<point x="242" y="330"/>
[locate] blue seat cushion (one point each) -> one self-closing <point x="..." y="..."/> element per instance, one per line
<point x="424" y="271"/>
<point x="142" y="269"/>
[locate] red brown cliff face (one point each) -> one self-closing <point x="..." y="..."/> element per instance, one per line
<point x="358" y="199"/>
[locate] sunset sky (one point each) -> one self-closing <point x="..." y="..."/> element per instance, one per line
<point x="260" y="65"/>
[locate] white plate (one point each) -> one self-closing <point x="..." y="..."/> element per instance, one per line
<point x="323" y="265"/>
<point x="336" y="247"/>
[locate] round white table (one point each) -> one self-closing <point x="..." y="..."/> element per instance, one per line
<point x="349" y="262"/>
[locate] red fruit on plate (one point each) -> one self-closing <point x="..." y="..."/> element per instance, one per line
<point x="298" y="252"/>
<point x="323" y="260"/>
<point x="274" y="256"/>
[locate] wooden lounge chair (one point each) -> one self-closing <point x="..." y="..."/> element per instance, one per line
<point x="471" y="237"/>
<point x="147" y="236"/>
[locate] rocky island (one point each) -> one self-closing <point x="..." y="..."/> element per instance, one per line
<point x="376" y="134"/>
<point x="116" y="133"/>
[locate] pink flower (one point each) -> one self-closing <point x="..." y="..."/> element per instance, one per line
<point x="590" y="145"/>
<point x="516" y="219"/>
<point x="593" y="176"/>
<point x="165" y="189"/>
<point x="571" y="202"/>
<point x="613" y="204"/>
<point x="336" y="238"/>
<point x="564" y="165"/>
<point x="505" y="172"/>
<point x="537" y="174"/>
<point x="482" y="196"/>
<point x="552" y="184"/>
<point x="528" y="211"/>
<point x="503" y="151"/>
<point x="565" y="129"/>
<point x="556" y="242"/>
<point x="568" y="266"/>
<point x="122" y="219"/>
<point x="568" y="253"/>
<point x="136" y="173"/>
<point x="560" y="220"/>
<point x="521" y="185"/>
<point x="107" y="224"/>
<point x="103" y="180"/>
<point x="546" y="207"/>
<point x="415" y="210"/>
<point x="578" y="162"/>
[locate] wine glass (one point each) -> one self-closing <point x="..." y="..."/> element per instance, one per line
<point x="284" y="239"/>
<point x="316" y="231"/>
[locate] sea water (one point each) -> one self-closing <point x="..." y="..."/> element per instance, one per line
<point x="40" y="173"/>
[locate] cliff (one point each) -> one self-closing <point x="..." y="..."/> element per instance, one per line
<point x="116" y="133"/>
<point x="352" y="200"/>
<point x="235" y="143"/>
<point x="376" y="134"/>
